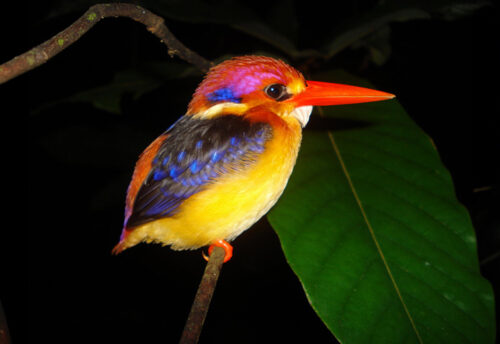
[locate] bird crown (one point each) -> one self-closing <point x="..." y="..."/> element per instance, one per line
<point x="247" y="81"/>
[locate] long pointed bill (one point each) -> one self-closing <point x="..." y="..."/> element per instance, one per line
<point x="325" y="93"/>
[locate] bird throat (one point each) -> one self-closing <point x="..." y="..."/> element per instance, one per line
<point x="302" y="114"/>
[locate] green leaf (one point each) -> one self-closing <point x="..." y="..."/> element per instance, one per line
<point x="364" y="26"/>
<point x="108" y="97"/>
<point x="134" y="82"/>
<point x="370" y="224"/>
<point x="273" y="22"/>
<point x="377" y="44"/>
<point x="357" y="29"/>
<point x="238" y="15"/>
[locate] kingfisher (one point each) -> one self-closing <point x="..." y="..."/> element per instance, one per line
<point x="219" y="168"/>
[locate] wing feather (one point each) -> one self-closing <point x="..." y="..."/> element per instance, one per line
<point x="196" y="153"/>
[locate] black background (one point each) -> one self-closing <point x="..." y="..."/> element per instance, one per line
<point x="66" y="169"/>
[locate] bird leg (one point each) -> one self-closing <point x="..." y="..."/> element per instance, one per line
<point x="228" y="249"/>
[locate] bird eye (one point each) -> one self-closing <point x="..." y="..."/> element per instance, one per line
<point x="277" y="92"/>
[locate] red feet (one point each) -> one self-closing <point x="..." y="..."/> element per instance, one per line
<point x="228" y="249"/>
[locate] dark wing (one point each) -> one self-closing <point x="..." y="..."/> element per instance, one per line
<point x="195" y="153"/>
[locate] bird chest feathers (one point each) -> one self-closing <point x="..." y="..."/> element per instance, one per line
<point x="226" y="162"/>
<point x="241" y="193"/>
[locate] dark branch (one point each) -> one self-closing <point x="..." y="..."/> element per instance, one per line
<point x="201" y="302"/>
<point x="43" y="52"/>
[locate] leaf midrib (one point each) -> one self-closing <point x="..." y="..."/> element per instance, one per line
<point x="370" y="229"/>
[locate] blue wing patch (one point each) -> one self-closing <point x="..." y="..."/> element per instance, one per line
<point x="195" y="154"/>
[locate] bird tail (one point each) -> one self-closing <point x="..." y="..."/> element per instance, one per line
<point x="123" y="244"/>
<point x="119" y="248"/>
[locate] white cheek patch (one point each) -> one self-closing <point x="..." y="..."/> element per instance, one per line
<point x="302" y="114"/>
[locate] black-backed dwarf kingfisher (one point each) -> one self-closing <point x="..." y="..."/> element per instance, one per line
<point x="225" y="163"/>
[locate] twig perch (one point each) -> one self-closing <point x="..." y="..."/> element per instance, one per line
<point x="43" y="52"/>
<point x="198" y="313"/>
<point x="155" y="24"/>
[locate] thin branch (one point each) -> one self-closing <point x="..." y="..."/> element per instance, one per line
<point x="490" y="258"/>
<point x="43" y="52"/>
<point x="198" y="313"/>
<point x="155" y="24"/>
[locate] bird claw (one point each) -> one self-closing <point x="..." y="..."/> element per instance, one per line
<point x="228" y="250"/>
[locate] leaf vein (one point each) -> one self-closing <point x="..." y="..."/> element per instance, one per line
<point x="402" y="158"/>
<point x="431" y="287"/>
<point x="425" y="212"/>
<point x="372" y="233"/>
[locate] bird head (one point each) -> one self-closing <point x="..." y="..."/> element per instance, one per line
<point x="246" y="83"/>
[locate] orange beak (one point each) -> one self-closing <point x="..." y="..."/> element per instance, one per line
<point x="325" y="93"/>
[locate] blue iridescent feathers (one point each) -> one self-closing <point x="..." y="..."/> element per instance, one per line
<point x="225" y="94"/>
<point x="196" y="153"/>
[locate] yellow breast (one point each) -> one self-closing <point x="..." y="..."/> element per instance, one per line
<point x="233" y="203"/>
